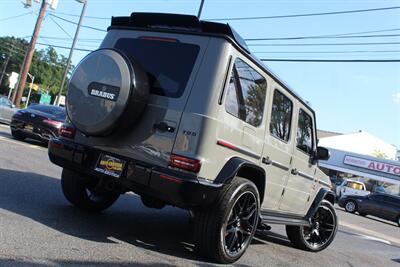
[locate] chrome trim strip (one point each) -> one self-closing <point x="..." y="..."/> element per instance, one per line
<point x="304" y="175"/>
<point x="279" y="165"/>
<point x="324" y="183"/>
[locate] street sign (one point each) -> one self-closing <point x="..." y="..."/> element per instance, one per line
<point x="45" y="99"/>
<point x="13" y="79"/>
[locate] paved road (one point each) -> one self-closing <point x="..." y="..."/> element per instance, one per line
<point x="39" y="228"/>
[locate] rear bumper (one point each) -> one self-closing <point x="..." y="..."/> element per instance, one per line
<point x="39" y="132"/>
<point x="171" y="186"/>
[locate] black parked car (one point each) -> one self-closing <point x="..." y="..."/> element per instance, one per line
<point x="380" y="205"/>
<point x="40" y="122"/>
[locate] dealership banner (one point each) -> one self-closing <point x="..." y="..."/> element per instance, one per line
<point x="372" y="165"/>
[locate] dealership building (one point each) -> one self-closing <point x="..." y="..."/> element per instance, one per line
<point x="363" y="157"/>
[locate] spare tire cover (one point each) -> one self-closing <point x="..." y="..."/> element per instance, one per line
<point x="103" y="86"/>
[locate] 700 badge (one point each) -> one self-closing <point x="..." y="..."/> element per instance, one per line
<point x="110" y="165"/>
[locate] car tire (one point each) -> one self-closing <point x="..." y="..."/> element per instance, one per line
<point x="84" y="194"/>
<point x="17" y="135"/>
<point x="350" y="206"/>
<point x="324" y="221"/>
<point x="224" y="231"/>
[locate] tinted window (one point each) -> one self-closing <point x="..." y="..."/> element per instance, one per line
<point x="246" y="93"/>
<point x="304" y="137"/>
<point x="232" y="100"/>
<point x="5" y="102"/>
<point x="281" y="116"/>
<point x="58" y="112"/>
<point x="393" y="200"/>
<point x="377" y="197"/>
<point x="168" y="63"/>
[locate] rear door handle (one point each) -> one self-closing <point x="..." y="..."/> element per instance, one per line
<point x="266" y="160"/>
<point x="163" y="127"/>
<point x="294" y="172"/>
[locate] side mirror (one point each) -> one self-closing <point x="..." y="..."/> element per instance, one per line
<point x="322" y="153"/>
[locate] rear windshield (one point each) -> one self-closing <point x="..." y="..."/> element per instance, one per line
<point x="58" y="112"/>
<point x="168" y="63"/>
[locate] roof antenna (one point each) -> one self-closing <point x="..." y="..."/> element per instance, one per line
<point x="200" y="9"/>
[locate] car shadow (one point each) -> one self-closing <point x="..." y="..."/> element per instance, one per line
<point x="27" y="140"/>
<point x="167" y="231"/>
<point x="377" y="219"/>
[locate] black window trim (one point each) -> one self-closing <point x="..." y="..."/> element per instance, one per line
<point x="289" y="141"/>
<point x="225" y="84"/>
<point x="313" y="133"/>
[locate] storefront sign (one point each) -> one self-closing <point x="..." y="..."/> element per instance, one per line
<point x="372" y="165"/>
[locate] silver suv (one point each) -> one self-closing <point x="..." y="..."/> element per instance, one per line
<point x="179" y="111"/>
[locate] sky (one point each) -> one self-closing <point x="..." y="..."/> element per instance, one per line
<point x="347" y="97"/>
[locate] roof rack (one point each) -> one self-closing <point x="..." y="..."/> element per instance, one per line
<point x="178" y="22"/>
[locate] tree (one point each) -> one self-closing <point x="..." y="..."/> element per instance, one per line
<point x="379" y="154"/>
<point x="47" y="65"/>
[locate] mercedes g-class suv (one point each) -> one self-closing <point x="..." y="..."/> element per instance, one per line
<point x="178" y="111"/>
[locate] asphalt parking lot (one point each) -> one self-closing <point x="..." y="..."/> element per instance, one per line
<point x="39" y="228"/>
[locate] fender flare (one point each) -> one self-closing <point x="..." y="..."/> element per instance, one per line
<point x="233" y="166"/>
<point x="323" y="193"/>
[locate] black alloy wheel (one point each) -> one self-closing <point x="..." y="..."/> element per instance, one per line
<point x="322" y="228"/>
<point x="321" y="231"/>
<point x="224" y="230"/>
<point x="242" y="221"/>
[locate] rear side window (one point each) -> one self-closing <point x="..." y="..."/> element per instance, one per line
<point x="246" y="93"/>
<point x="281" y="116"/>
<point x="168" y="63"/>
<point x="304" y="137"/>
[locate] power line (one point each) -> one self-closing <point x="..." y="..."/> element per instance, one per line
<point x="59" y="26"/>
<point x="73" y="22"/>
<point x="65" y="47"/>
<point x="323" y="37"/>
<point x="322" y="44"/>
<point x="311" y="14"/>
<point x="68" y="39"/>
<point x="74" y="15"/>
<point x="17" y="16"/>
<point x="332" y="60"/>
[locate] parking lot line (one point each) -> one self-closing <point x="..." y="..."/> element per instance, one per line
<point x="20" y="143"/>
<point x="370" y="232"/>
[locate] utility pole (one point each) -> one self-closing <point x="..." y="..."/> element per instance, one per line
<point x="3" y="71"/>
<point x="200" y="9"/>
<point x="29" y="55"/>
<point x="84" y="2"/>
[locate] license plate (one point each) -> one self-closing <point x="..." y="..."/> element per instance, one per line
<point x="110" y="165"/>
<point x="28" y="127"/>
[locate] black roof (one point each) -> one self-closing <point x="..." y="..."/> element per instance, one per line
<point x="178" y="22"/>
<point x="191" y="24"/>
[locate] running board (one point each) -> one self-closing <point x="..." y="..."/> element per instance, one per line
<point x="273" y="218"/>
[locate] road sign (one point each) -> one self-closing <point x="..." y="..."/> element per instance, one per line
<point x="45" y="99"/>
<point x="13" y="79"/>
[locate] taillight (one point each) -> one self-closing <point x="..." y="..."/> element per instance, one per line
<point x="184" y="163"/>
<point x="162" y="39"/>
<point x="56" y="124"/>
<point x="67" y="131"/>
